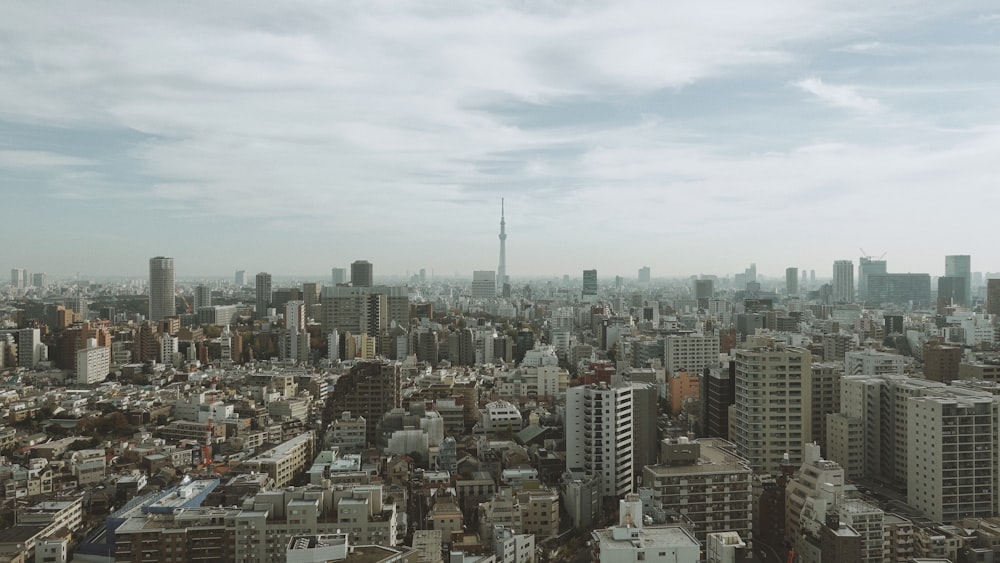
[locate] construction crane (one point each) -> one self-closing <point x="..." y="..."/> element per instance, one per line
<point x="866" y="256"/>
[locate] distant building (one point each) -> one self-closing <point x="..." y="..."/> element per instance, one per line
<point x="960" y="266"/>
<point x="161" y="288"/>
<point x="263" y="292"/>
<point x="589" y="284"/>
<point x="362" y="274"/>
<point x="843" y="281"/>
<point x="484" y="284"/>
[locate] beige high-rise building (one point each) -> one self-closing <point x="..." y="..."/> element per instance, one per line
<point x="773" y="411"/>
<point x="161" y="288"/>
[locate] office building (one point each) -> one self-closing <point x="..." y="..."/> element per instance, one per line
<point x="843" y="281"/>
<point x="19" y="278"/>
<point x="294" y="343"/>
<point x="161" y="288"/>
<point x="644" y="274"/>
<point x="484" y="284"/>
<point x="263" y="291"/>
<point x="240" y="278"/>
<point x="718" y="392"/>
<point x="362" y="274"/>
<point x="867" y="267"/>
<point x="704" y="291"/>
<point x="283" y="462"/>
<point x="202" y="297"/>
<point x="338" y="276"/>
<point x="993" y="296"/>
<point x="791" y="281"/>
<point x="950" y="292"/>
<point x="772" y="409"/>
<point x="909" y="290"/>
<point x="960" y="266"/>
<point x="599" y="435"/>
<point x="589" y="284"/>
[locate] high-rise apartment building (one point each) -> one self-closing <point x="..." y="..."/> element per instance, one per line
<point x="773" y="410"/>
<point x="161" y="288"/>
<point x="263" y="290"/>
<point x="960" y="266"/>
<point x="362" y="273"/>
<point x="792" y="281"/>
<point x="599" y="435"/>
<point x="484" y="284"/>
<point x="692" y="352"/>
<point x="951" y="442"/>
<point x="20" y="278"/>
<point x="718" y="392"/>
<point x="589" y="284"/>
<point x="843" y="281"/>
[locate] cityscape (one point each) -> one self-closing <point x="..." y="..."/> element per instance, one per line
<point x="843" y="417"/>
<point x="499" y="282"/>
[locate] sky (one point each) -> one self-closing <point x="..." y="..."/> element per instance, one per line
<point x="690" y="137"/>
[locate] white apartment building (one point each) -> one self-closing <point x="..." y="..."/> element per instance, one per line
<point x="873" y="362"/>
<point x="93" y="363"/>
<point x="599" y="435"/>
<point x="631" y="541"/>
<point x="691" y="352"/>
<point x="500" y="416"/>
<point x="951" y="439"/>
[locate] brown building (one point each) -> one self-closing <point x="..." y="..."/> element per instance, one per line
<point x="369" y="390"/>
<point x="993" y="296"/>
<point x="941" y="361"/>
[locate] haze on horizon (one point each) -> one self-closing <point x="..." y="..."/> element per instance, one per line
<point x="297" y="136"/>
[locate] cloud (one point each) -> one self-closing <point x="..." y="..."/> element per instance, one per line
<point x="838" y="95"/>
<point x="29" y="159"/>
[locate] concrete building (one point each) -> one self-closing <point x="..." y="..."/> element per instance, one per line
<point x="161" y="288"/>
<point x="631" y="540"/>
<point x="692" y="352"/>
<point x="960" y="266"/>
<point x="589" y="284"/>
<point x="599" y="435"/>
<point x="484" y="284"/>
<point x="282" y="462"/>
<point x="873" y="362"/>
<point x="951" y="444"/>
<point x="867" y="267"/>
<point x="263" y="293"/>
<point x="772" y="411"/>
<point x="93" y="363"/>
<point x="843" y="281"/>
<point x="791" y="281"/>
<point x="362" y="273"/>
<point x="369" y="390"/>
<point x="705" y="483"/>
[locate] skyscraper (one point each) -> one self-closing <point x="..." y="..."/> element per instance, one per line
<point x="263" y="294"/>
<point x="589" y="283"/>
<point x="338" y="276"/>
<point x="361" y="273"/>
<point x="843" y="281"/>
<point x="240" y="278"/>
<point x="792" y="281"/>
<point x="502" y="267"/>
<point x="202" y="297"/>
<point x="161" y="288"/>
<point x="644" y="274"/>
<point x="868" y="267"/>
<point x="960" y="266"/>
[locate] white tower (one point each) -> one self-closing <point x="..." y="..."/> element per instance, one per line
<point x="502" y="267"/>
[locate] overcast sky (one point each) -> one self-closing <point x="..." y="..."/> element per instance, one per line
<point x="692" y="137"/>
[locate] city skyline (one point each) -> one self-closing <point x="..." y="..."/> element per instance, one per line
<point x="688" y="138"/>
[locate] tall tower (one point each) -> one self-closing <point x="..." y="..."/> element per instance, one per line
<point x="960" y="266"/>
<point x="843" y="281"/>
<point x="161" y="288"/>
<point x="263" y="290"/>
<point x="502" y="267"/>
